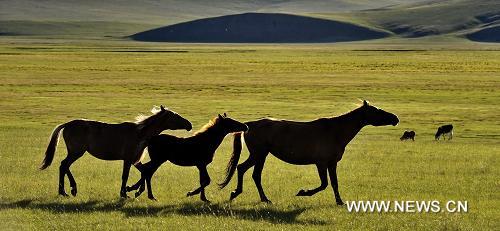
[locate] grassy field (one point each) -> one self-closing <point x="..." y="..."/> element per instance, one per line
<point x="43" y="84"/>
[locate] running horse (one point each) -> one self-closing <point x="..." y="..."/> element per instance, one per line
<point x="124" y="141"/>
<point x="320" y="142"/>
<point x="197" y="150"/>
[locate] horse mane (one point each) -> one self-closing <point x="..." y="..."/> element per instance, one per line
<point x="143" y="120"/>
<point x="346" y="115"/>
<point x="209" y="125"/>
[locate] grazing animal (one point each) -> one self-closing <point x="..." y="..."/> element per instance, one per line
<point x="320" y="142"/>
<point x="124" y="141"/>
<point x="443" y="130"/>
<point x="197" y="150"/>
<point x="408" y="135"/>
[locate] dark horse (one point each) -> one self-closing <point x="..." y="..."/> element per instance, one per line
<point x="321" y="142"/>
<point x="125" y="141"/>
<point x="443" y="130"/>
<point x="197" y="150"/>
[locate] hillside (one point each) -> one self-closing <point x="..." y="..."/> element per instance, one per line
<point x="433" y="17"/>
<point x="167" y="12"/>
<point x="456" y="18"/>
<point x="260" y="28"/>
<point x="119" y="18"/>
<point x="68" y="29"/>
<point x="477" y="20"/>
<point x="489" y="34"/>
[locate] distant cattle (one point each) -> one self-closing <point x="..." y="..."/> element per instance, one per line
<point x="443" y="130"/>
<point x="408" y="135"/>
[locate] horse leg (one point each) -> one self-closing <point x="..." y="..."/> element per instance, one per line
<point x="138" y="166"/>
<point x="149" y="174"/>
<point x="242" y="168"/>
<point x="203" y="197"/>
<point x="62" y="172"/>
<point x="256" y="175"/>
<point x="64" y="169"/>
<point x="142" y="168"/>
<point x="126" y="170"/>
<point x="141" y="183"/>
<point x="72" y="182"/>
<point x="140" y="186"/>
<point x="332" y="170"/>
<point x="136" y="186"/>
<point x="204" y="182"/>
<point x="322" y="171"/>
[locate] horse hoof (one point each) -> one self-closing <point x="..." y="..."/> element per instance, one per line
<point x="152" y="198"/>
<point x="302" y="192"/>
<point x="188" y="194"/>
<point x="267" y="201"/>
<point x="206" y="201"/>
<point x="64" y="194"/>
<point x="340" y="203"/>
<point x="234" y="194"/>
<point x="73" y="192"/>
<point x="128" y="189"/>
<point x="124" y="195"/>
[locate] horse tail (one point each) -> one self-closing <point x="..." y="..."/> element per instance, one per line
<point x="231" y="166"/>
<point x="51" y="149"/>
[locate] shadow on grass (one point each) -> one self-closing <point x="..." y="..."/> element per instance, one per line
<point x="263" y="213"/>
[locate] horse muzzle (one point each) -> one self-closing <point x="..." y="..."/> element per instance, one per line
<point x="189" y="127"/>
<point x="395" y="121"/>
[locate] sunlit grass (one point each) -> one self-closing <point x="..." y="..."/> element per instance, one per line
<point x="43" y="85"/>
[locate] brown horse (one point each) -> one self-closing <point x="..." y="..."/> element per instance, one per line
<point x="125" y="141"/>
<point x="197" y="150"/>
<point x="320" y="142"/>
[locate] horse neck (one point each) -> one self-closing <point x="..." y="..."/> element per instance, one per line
<point x="150" y="129"/>
<point x="349" y="126"/>
<point x="212" y="137"/>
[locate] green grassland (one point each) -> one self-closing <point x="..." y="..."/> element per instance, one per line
<point x="46" y="83"/>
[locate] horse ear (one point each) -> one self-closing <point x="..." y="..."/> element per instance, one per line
<point x="225" y="114"/>
<point x="162" y="108"/>
<point x="365" y="103"/>
<point x="220" y="117"/>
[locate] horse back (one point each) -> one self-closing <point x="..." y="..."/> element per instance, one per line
<point x="189" y="151"/>
<point x="291" y="141"/>
<point x="163" y="143"/>
<point x="103" y="140"/>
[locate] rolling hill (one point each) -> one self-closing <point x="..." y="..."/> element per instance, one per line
<point x="165" y="12"/>
<point x="260" y="28"/>
<point x="434" y="17"/>
<point x="477" y="20"/>
<point x="490" y="34"/>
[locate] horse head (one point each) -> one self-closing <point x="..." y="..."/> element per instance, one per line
<point x="173" y="121"/>
<point x="229" y="125"/>
<point x="377" y="117"/>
